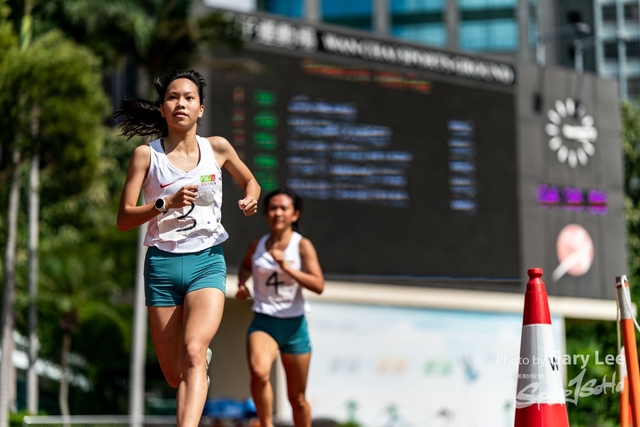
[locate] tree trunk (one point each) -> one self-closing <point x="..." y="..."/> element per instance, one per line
<point x="63" y="397"/>
<point x="34" y="206"/>
<point x="8" y="293"/>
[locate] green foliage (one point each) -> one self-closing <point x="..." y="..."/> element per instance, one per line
<point x="631" y="147"/>
<point x="591" y="338"/>
<point x="155" y="33"/>
<point x="54" y="106"/>
<point x="594" y="339"/>
<point x="8" y="38"/>
<point x="87" y="265"/>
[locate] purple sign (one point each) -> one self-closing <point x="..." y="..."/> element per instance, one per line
<point x="573" y="199"/>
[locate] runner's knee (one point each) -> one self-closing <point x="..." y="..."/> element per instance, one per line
<point x="194" y="355"/>
<point x="297" y="400"/>
<point x="260" y="372"/>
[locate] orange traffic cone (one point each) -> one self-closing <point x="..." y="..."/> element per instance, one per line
<point x="540" y="400"/>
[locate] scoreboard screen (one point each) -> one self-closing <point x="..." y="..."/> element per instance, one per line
<point x="404" y="177"/>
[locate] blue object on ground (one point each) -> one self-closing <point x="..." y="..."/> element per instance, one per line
<point x="229" y="409"/>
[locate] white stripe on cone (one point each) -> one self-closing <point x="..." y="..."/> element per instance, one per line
<point x="539" y="375"/>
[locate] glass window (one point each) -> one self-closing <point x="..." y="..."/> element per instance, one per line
<point x="533" y="32"/>
<point x="503" y="35"/>
<point x="609" y="13"/>
<point x="291" y="8"/>
<point x="633" y="49"/>
<point x="341" y="8"/>
<point x="472" y="35"/>
<point x="416" y="5"/>
<point x="611" y="50"/>
<point x="433" y="33"/>
<point x="486" y="4"/>
<point x="633" y="86"/>
<point x="489" y="35"/>
<point x="631" y="12"/>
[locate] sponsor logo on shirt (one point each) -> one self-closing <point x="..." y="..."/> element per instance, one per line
<point x="208" y="179"/>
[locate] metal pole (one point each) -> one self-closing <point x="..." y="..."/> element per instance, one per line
<point x="541" y="52"/>
<point x="622" y="50"/>
<point x="139" y="339"/>
<point x="452" y="23"/>
<point x="381" y="17"/>
<point x="579" y="56"/>
<point x="313" y="10"/>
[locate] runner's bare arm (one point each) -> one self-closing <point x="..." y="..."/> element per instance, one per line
<point x="244" y="272"/>
<point x="228" y="158"/>
<point x="310" y="276"/>
<point x="130" y="215"/>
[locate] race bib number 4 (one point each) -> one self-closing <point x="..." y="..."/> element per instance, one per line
<point x="282" y="291"/>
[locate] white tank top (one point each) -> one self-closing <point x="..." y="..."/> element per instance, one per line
<point x="275" y="293"/>
<point x="190" y="228"/>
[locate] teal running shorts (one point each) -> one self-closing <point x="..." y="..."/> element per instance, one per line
<point x="290" y="333"/>
<point x="168" y="277"/>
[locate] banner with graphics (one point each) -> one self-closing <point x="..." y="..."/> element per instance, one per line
<point x="393" y="366"/>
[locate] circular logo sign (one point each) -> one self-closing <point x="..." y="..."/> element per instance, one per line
<point x="574" y="248"/>
<point x="571" y="132"/>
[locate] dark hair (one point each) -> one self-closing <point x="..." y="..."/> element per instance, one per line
<point x="142" y="117"/>
<point x="297" y="204"/>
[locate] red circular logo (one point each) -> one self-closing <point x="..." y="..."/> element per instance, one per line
<point x="575" y="251"/>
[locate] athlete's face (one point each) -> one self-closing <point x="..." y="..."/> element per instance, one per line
<point x="181" y="106"/>
<point x="280" y="213"/>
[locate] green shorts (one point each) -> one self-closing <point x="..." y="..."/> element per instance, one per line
<point x="168" y="277"/>
<point x="290" y="333"/>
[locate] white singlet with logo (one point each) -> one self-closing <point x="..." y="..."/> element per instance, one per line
<point x="190" y="228"/>
<point x="276" y="293"/>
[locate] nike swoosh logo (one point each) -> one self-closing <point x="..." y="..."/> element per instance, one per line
<point x="166" y="185"/>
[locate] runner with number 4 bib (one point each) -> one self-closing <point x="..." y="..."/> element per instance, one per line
<point x="282" y="263"/>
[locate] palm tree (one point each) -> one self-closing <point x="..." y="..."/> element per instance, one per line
<point x="8" y="43"/>
<point x="155" y="34"/>
<point x="48" y="81"/>
<point x="76" y="287"/>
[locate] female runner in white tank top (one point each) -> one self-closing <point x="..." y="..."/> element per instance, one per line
<point x="282" y="263"/>
<point x="185" y="274"/>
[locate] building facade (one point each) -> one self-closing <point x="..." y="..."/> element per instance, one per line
<point x="432" y="180"/>
<point x="609" y="44"/>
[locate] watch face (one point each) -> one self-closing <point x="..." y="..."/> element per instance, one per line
<point x="160" y="203"/>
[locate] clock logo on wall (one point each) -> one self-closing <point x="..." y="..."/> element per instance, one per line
<point x="571" y="132"/>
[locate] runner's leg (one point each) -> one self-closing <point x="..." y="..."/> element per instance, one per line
<point x="296" y="368"/>
<point x="262" y="351"/>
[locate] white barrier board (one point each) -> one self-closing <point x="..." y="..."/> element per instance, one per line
<point x="395" y="366"/>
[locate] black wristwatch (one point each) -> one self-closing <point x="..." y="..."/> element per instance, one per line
<point x="161" y="205"/>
